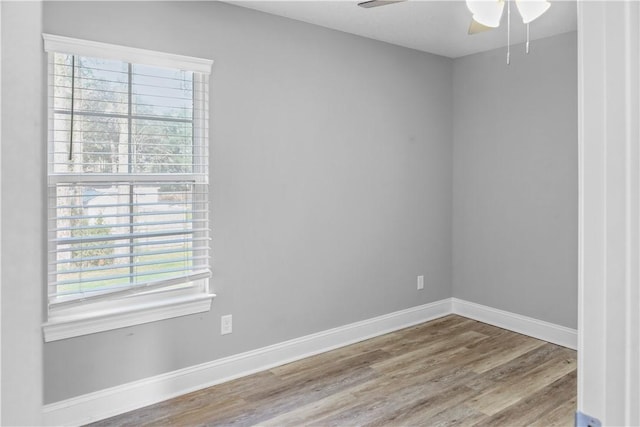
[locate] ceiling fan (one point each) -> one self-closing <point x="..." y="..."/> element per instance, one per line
<point x="487" y="14"/>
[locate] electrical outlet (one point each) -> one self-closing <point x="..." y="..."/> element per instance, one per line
<point x="226" y="324"/>
<point x="420" y="282"/>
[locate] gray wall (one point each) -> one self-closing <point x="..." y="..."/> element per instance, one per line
<point x="515" y="172"/>
<point x="331" y="172"/>
<point x="23" y="205"/>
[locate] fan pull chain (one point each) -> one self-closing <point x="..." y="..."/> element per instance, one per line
<point x="508" y="32"/>
<point x="527" y="45"/>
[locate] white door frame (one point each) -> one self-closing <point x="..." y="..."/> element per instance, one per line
<point x="609" y="215"/>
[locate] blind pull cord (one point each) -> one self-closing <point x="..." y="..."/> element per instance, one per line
<point x="73" y="89"/>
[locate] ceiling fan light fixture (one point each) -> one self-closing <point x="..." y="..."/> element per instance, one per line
<point x="486" y="12"/>
<point x="530" y="10"/>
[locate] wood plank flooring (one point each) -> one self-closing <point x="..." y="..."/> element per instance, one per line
<point x="451" y="371"/>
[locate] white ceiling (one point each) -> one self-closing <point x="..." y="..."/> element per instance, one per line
<point x="438" y="27"/>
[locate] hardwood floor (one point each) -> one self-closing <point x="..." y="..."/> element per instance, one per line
<point x="450" y="371"/>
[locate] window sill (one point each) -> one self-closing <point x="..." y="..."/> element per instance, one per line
<point x="62" y="327"/>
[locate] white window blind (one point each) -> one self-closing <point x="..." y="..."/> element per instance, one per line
<point x="127" y="175"/>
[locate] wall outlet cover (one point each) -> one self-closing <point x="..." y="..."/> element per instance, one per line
<point x="226" y="324"/>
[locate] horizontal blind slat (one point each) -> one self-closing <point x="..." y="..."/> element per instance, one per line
<point x="131" y="264"/>
<point x="202" y="241"/>
<point x="118" y="276"/>
<point x="127" y="178"/>
<point x="127" y="255"/>
<point x="124" y="215"/>
<point x="129" y="224"/>
<point x="97" y="206"/>
<point x="71" y="240"/>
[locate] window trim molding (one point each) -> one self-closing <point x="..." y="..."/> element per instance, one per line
<point x="69" y="45"/>
<point x="55" y="330"/>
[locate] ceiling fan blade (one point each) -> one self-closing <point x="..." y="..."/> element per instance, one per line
<point x="476" y="27"/>
<point x="486" y="12"/>
<point x="375" y="3"/>
<point x="531" y="10"/>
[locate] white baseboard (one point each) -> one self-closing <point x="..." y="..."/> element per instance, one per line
<point x="545" y="331"/>
<point x="127" y="397"/>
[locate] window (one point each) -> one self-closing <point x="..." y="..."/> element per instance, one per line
<point x="127" y="184"/>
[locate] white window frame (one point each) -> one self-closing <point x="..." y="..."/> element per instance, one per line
<point x="140" y="307"/>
